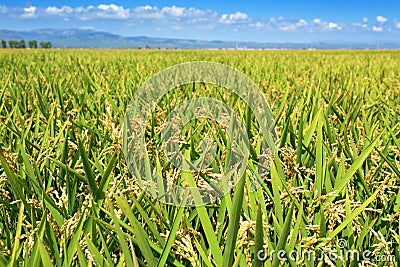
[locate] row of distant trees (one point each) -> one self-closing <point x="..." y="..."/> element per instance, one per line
<point x="22" y="44"/>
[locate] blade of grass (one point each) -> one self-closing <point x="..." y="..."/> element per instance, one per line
<point x="46" y="260"/>
<point x="140" y="233"/>
<point x="17" y="247"/>
<point x="88" y="171"/>
<point x="259" y="238"/>
<point x="234" y="223"/>
<point x="171" y="237"/>
<point x="284" y="235"/>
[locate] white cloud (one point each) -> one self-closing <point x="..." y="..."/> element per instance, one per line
<point x="291" y="26"/>
<point x="317" y="21"/>
<point x="397" y="25"/>
<point x="147" y="12"/>
<point x="174" y="11"/>
<point x="381" y="19"/>
<point x="257" y="24"/>
<point x="52" y="10"/>
<point x="146" y="8"/>
<point x="301" y="23"/>
<point x="365" y="19"/>
<point x="287" y="28"/>
<point x="112" y="7"/>
<point x="377" y="29"/>
<point x="334" y="26"/>
<point x="29" y="12"/>
<point x="235" y="18"/>
<point x="191" y="15"/>
<point x="112" y="11"/>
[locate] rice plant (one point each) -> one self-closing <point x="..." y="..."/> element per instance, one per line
<point x="68" y="199"/>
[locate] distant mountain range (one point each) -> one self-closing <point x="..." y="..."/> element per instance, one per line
<point x="86" y="38"/>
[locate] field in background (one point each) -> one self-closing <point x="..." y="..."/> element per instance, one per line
<point x="67" y="198"/>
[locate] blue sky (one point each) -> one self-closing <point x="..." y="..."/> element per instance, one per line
<point x="277" y="21"/>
